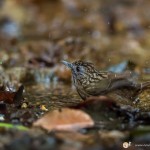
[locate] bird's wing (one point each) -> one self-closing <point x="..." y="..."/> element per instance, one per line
<point x="111" y="75"/>
<point x="121" y="80"/>
<point x="82" y="94"/>
<point x="99" y="87"/>
<point x="109" y="81"/>
<point x="124" y="75"/>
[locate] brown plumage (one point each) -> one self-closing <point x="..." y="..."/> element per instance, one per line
<point x="91" y="82"/>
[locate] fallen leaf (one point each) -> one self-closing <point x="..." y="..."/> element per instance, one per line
<point x="24" y="105"/>
<point x="95" y="101"/>
<point x="64" y="119"/>
<point x="12" y="97"/>
<point x="7" y="96"/>
<point x="42" y="107"/>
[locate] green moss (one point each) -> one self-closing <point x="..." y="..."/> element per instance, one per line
<point x="19" y="127"/>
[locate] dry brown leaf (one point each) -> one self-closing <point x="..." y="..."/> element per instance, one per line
<point x="7" y="96"/>
<point x="95" y="101"/>
<point x="12" y="97"/>
<point x="64" y="119"/>
<point x="42" y="107"/>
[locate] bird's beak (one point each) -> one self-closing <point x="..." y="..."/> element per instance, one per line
<point x="69" y="65"/>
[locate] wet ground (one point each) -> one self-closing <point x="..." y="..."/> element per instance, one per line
<point x="35" y="36"/>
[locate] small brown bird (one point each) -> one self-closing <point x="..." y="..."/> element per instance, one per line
<point x="91" y="82"/>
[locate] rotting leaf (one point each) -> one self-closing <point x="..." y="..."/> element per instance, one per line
<point x="65" y="119"/>
<point x="7" y="96"/>
<point x="95" y="101"/>
<point x="12" y="97"/>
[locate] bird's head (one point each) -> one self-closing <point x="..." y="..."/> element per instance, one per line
<point x="85" y="77"/>
<point x="80" y="68"/>
<point x="82" y="71"/>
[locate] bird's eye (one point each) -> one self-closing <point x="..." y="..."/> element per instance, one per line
<point x="78" y="69"/>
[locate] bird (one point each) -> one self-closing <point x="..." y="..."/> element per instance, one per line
<point x="90" y="81"/>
